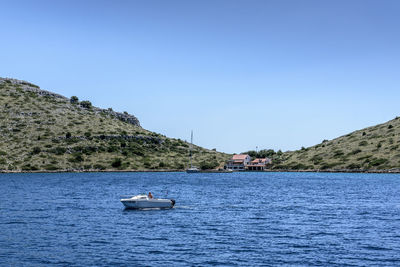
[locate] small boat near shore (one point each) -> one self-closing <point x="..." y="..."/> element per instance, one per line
<point x="143" y="201"/>
<point x="192" y="169"/>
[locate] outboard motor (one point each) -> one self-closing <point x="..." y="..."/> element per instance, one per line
<point x="173" y="202"/>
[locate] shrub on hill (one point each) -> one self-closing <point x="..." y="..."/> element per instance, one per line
<point x="338" y="153"/>
<point x="116" y="163"/>
<point x="300" y="166"/>
<point x="355" y="151"/>
<point x="58" y="150"/>
<point x="36" y="150"/>
<point x="326" y="166"/>
<point x="50" y="167"/>
<point x="316" y="159"/>
<point x="208" y="165"/>
<point x="29" y="167"/>
<point x="353" y="166"/>
<point x="363" y="143"/>
<point x="86" y="104"/>
<point x="74" y="100"/>
<point x="99" y="166"/>
<point x="76" y="157"/>
<point x="376" y="162"/>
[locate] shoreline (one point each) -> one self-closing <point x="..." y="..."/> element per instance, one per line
<point x="394" y="171"/>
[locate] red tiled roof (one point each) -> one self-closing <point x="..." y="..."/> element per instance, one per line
<point x="259" y="161"/>
<point x="239" y="157"/>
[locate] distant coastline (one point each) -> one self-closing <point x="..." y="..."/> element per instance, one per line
<point x="395" y="171"/>
<point x="44" y="132"/>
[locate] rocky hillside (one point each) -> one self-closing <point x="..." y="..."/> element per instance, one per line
<point x="41" y="130"/>
<point x="372" y="148"/>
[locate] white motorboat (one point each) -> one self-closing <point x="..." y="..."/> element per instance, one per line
<point x="143" y="201"/>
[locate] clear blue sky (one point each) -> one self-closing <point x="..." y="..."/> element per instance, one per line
<point x="273" y="74"/>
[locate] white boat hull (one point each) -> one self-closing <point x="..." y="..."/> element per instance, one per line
<point x="192" y="170"/>
<point x="131" y="203"/>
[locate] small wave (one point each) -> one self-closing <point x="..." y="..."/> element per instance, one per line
<point x="15" y="222"/>
<point x="100" y="242"/>
<point x="37" y="218"/>
<point x="244" y="250"/>
<point x="364" y="213"/>
<point x="300" y="246"/>
<point x="159" y="238"/>
<point x="62" y="263"/>
<point x="183" y="207"/>
<point x="376" y="248"/>
<point x="258" y="218"/>
<point x="322" y="234"/>
<point x="38" y="209"/>
<point x="156" y="252"/>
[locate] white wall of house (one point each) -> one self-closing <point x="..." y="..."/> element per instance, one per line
<point x="238" y="166"/>
<point x="247" y="160"/>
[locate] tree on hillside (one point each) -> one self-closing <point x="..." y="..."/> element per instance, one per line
<point x="86" y="104"/>
<point x="74" y="100"/>
<point x="264" y="153"/>
<point x="116" y="163"/>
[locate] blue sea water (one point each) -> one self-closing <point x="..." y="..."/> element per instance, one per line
<point x="230" y="219"/>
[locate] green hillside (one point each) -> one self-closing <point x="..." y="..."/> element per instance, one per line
<point x="372" y="148"/>
<point x="41" y="130"/>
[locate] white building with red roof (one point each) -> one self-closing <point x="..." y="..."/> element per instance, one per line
<point x="238" y="162"/>
<point x="258" y="164"/>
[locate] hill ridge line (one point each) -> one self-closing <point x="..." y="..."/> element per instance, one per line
<point x="30" y="87"/>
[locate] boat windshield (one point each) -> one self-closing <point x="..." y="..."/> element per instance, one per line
<point x="140" y="197"/>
